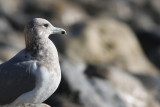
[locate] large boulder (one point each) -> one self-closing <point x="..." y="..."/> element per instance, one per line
<point x="109" y="41"/>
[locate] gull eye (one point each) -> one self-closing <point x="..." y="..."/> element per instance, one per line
<point x="45" y="25"/>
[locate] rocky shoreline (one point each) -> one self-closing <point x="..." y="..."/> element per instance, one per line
<point x="110" y="57"/>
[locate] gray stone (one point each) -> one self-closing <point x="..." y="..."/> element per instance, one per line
<point x="130" y="89"/>
<point x="107" y="92"/>
<point x="78" y="82"/>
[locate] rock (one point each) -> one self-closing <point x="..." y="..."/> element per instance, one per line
<point x="146" y="85"/>
<point x="33" y="105"/>
<point x="120" y="9"/>
<point x="9" y="36"/>
<point x="61" y="12"/>
<point x="90" y="92"/>
<point x="108" y="41"/>
<point x="0" y="61"/>
<point x="130" y="89"/>
<point x="14" y="13"/>
<point x="142" y="21"/>
<point x="138" y="3"/>
<point x="155" y="5"/>
<point x="5" y="27"/>
<point x="10" y="42"/>
<point x="7" y="52"/>
<point x="62" y="101"/>
<point x="107" y="92"/>
<point x="69" y="13"/>
<point x="91" y="6"/>
<point x="152" y="84"/>
<point x="73" y="74"/>
<point x="10" y="6"/>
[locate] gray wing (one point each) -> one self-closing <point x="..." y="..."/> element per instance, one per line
<point x="15" y="79"/>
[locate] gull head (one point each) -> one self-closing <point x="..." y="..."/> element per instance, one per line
<point x="39" y="29"/>
<point x="42" y="28"/>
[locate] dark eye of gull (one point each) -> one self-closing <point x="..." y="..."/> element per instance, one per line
<point x="45" y="25"/>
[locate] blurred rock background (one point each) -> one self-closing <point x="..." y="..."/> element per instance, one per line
<point x="111" y="56"/>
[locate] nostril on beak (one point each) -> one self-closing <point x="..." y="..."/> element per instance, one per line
<point x="63" y="32"/>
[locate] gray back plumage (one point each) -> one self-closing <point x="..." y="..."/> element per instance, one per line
<point x="15" y="78"/>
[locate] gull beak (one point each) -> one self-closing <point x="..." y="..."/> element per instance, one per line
<point x="57" y="30"/>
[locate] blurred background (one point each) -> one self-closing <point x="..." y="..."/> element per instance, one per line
<point x="110" y="57"/>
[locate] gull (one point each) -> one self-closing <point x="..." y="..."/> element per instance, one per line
<point x="34" y="73"/>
